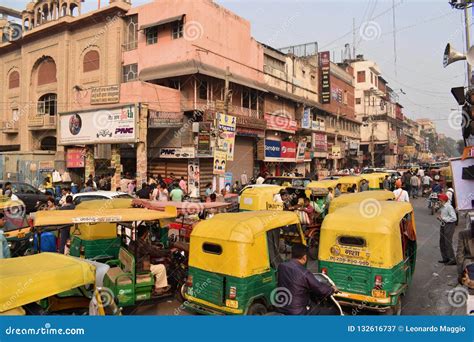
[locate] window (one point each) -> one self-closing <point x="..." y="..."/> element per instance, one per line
<point x="47" y="105"/>
<point x="177" y="31"/>
<point x="151" y="35"/>
<point x="14" y="80"/>
<point x="212" y="248"/>
<point x="129" y="72"/>
<point x="132" y="33"/>
<point x="203" y="90"/>
<point x="91" y="61"/>
<point x="15" y="116"/>
<point x="358" y="100"/>
<point x="351" y="241"/>
<point x="371" y="77"/>
<point x="360" y="76"/>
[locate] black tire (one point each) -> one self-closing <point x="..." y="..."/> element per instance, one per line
<point x="257" y="309"/>
<point x="180" y="293"/>
<point x="395" y="310"/>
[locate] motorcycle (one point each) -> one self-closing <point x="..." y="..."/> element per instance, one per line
<point x="426" y="192"/>
<point x="433" y="203"/>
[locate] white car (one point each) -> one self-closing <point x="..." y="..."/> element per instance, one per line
<point x="95" y="195"/>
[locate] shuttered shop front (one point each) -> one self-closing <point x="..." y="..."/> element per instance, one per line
<point x="165" y="167"/>
<point x="243" y="158"/>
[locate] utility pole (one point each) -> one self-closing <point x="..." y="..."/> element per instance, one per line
<point x="467" y="26"/>
<point x="336" y="131"/>
<point x="353" y="38"/>
<point x="372" y="142"/>
<point x="226" y="91"/>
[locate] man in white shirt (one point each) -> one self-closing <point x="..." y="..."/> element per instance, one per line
<point x="426" y="181"/>
<point x="260" y="179"/>
<point x="400" y="194"/>
<point x="447" y="217"/>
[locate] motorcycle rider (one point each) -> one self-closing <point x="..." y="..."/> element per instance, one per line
<point x="294" y="277"/>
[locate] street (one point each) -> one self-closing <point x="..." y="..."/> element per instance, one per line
<point x="428" y="293"/>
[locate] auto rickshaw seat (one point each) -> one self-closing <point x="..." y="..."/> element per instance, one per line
<point x="144" y="278"/>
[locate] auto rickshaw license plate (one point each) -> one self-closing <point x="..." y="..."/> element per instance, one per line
<point x="234" y="304"/>
<point x="379" y="293"/>
<point x="353" y="253"/>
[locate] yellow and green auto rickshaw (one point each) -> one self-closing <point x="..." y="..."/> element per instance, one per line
<point x="233" y="259"/>
<point x="125" y="279"/>
<point x="49" y="283"/>
<point x="375" y="180"/>
<point x="369" y="251"/>
<point x="260" y="198"/>
<point x="360" y="197"/>
<point x="323" y="184"/>
<point x="349" y="181"/>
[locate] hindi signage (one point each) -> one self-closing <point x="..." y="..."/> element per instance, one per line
<point x="325" y="68"/>
<point x="105" y="95"/>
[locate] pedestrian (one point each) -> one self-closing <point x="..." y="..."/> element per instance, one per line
<point x="4" y="248"/>
<point x="183" y="185"/>
<point x="176" y="195"/>
<point x="50" y="204"/>
<point x="162" y="192"/>
<point x="364" y="186"/>
<point x="144" y="192"/>
<point x="65" y="192"/>
<point x="414" y="185"/>
<point x="131" y="187"/>
<point x="94" y="184"/>
<point x="426" y="182"/>
<point x="386" y="183"/>
<point x="65" y="233"/>
<point x="406" y="181"/>
<point x="337" y="191"/>
<point x="330" y="196"/>
<point x="8" y="191"/>
<point x="400" y="194"/>
<point x="89" y="186"/>
<point x="236" y="187"/>
<point x="447" y="218"/>
<point x="260" y="179"/>
<point x="208" y="190"/>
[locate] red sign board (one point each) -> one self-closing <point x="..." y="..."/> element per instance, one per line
<point x="288" y="149"/>
<point x="75" y="157"/>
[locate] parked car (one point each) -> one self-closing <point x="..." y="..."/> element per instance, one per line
<point x="27" y="193"/>
<point x="95" y="195"/>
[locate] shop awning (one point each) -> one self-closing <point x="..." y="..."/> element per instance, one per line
<point x="195" y="67"/>
<point x="163" y="22"/>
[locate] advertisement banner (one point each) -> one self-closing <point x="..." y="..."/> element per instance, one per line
<point x="281" y="123"/>
<point x="306" y="120"/>
<point x="325" y="65"/>
<point x="220" y="160"/>
<point x="335" y="152"/>
<point x="300" y="156"/>
<point x="288" y="150"/>
<point x="226" y="125"/>
<point x="319" y="142"/>
<point x="204" y="145"/>
<point x="193" y="177"/>
<point x="75" y="157"/>
<point x="105" y="126"/>
<point x="177" y="152"/>
<point x="272" y="149"/>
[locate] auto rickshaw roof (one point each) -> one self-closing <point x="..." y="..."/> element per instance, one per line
<point x="368" y="176"/>
<point x="180" y="206"/>
<point x="350" y="179"/>
<point x="243" y="227"/>
<point x="270" y="189"/>
<point x="106" y="203"/>
<point x="326" y="183"/>
<point x="27" y="279"/>
<point x="359" y="197"/>
<point x="368" y="217"/>
<point x="65" y="217"/>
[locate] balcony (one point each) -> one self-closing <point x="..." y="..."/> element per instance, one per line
<point x="203" y="105"/>
<point x="10" y="127"/>
<point x="41" y="122"/>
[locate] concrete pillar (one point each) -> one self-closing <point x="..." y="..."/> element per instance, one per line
<point x="89" y="162"/>
<point x="141" y="146"/>
<point x="116" y="165"/>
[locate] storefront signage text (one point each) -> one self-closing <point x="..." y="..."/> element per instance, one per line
<point x="105" y="95"/>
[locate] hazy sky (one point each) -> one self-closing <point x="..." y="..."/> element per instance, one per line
<point x="422" y="30"/>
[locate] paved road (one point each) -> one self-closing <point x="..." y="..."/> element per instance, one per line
<point x="429" y="291"/>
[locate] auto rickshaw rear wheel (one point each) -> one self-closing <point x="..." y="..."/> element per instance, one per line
<point x="257" y="309"/>
<point x="313" y="248"/>
<point x="395" y="310"/>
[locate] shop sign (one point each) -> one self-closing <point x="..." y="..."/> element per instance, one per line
<point x="335" y="152"/>
<point x="288" y="150"/>
<point x="164" y="119"/>
<point x="105" y="126"/>
<point x="409" y="150"/>
<point x="193" y="176"/>
<point x="306" y="120"/>
<point x="220" y="161"/>
<point x="319" y="142"/>
<point x="105" y="95"/>
<point x="281" y="123"/>
<point x="300" y="155"/>
<point x="46" y="165"/>
<point x="353" y="144"/>
<point x="272" y="149"/>
<point x="226" y="124"/>
<point x="241" y="121"/>
<point x="318" y="125"/>
<point x="336" y="94"/>
<point x="325" y="67"/>
<point x="204" y="145"/>
<point x="177" y="152"/>
<point x="75" y="157"/>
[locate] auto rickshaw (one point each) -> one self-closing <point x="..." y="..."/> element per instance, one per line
<point x="375" y="180"/>
<point x="326" y="184"/>
<point x="370" y="253"/>
<point x="127" y="284"/>
<point x="260" y="198"/>
<point x="51" y="283"/>
<point x="233" y="259"/>
<point x="17" y="230"/>
<point x="348" y="181"/>
<point x="360" y="197"/>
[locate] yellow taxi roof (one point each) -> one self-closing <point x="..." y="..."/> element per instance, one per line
<point x="243" y="227"/>
<point x="349" y="179"/>
<point x="368" y="217"/>
<point x="28" y="279"/>
<point x="63" y="217"/>
<point x="113" y="203"/>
